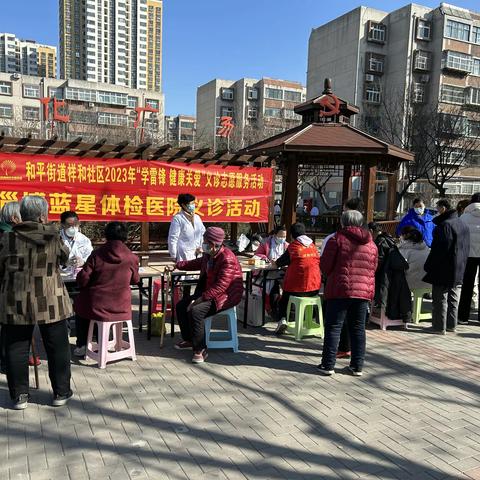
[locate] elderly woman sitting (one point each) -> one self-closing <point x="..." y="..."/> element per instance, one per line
<point x="220" y="287"/>
<point x="32" y="292"/>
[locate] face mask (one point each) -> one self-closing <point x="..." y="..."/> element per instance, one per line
<point x="190" y="208"/>
<point x="206" y="248"/>
<point x="71" y="231"/>
<point x="280" y="241"/>
<point x="255" y="246"/>
<point x="419" y="210"/>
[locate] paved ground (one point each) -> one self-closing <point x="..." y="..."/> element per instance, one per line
<point x="263" y="413"/>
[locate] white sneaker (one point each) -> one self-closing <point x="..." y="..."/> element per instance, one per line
<point x="80" y="351"/>
<point x="281" y="327"/>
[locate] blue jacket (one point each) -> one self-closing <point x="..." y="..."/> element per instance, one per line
<point x="422" y="223"/>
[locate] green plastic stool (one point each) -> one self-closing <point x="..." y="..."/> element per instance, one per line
<point x="304" y="325"/>
<point x="417" y="305"/>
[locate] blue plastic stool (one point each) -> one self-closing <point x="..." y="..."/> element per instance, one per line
<point x="228" y="339"/>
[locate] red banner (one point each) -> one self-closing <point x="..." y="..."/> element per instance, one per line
<point x="136" y="190"/>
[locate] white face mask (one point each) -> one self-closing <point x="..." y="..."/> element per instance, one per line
<point x="419" y="210"/>
<point x="71" y="231"/>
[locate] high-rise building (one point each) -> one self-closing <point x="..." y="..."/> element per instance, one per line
<point x="96" y="110"/>
<point x="112" y="41"/>
<point x="180" y="130"/>
<point x="27" y="57"/>
<point x="400" y="62"/>
<point x="258" y="108"/>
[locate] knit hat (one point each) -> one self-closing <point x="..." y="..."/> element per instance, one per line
<point x="215" y="235"/>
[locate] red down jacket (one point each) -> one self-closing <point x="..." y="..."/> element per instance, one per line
<point x="226" y="288"/>
<point x="349" y="263"/>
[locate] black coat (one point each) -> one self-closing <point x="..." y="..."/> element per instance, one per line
<point x="399" y="299"/>
<point x="385" y="243"/>
<point x="446" y="263"/>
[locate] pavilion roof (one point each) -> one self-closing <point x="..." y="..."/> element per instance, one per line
<point x="125" y="151"/>
<point x="328" y="138"/>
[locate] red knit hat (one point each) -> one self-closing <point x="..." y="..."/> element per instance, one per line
<point x="215" y="235"/>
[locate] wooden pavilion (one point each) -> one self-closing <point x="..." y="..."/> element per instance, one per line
<point x="326" y="138"/>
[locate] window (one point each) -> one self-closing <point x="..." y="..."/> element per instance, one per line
<point x="453" y="124"/>
<point x="451" y="94"/>
<point x="457" y="61"/>
<point x="226" y="111"/>
<point x="476" y="66"/>
<point x="274" y="93"/>
<point x="187" y="124"/>
<point x="457" y="30"/>
<point x="273" y="112"/>
<point x="422" y="60"/>
<point x="375" y="63"/>
<point x="453" y="156"/>
<point x="476" y="35"/>
<point x="424" y="30"/>
<point x="227" y="93"/>
<point x="6" y="111"/>
<point x="372" y="92"/>
<point x="252" y="112"/>
<point x="31" y="113"/>
<point x="80" y="94"/>
<point x="5" y="88"/>
<point x="474" y="128"/>
<point x="113" y="119"/>
<point x="151" y="103"/>
<point x="83" y="117"/>
<point x="473" y="96"/>
<point x="418" y="93"/>
<point x="291" y="96"/>
<point x="185" y="136"/>
<point x="291" y="115"/>
<point x="112" y="98"/>
<point x="376" y="32"/>
<point x="31" y="91"/>
<point x="372" y="124"/>
<point x="132" y="102"/>
<point x="252" y="93"/>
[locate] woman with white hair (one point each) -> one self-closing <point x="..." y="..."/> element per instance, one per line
<point x="9" y="215"/>
<point x="349" y="263"/>
<point x="32" y="292"/>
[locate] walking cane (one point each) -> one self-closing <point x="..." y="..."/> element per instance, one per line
<point x="35" y="366"/>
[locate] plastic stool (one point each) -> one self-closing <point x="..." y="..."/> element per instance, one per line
<point x="379" y="317"/>
<point x="417" y="305"/>
<point x="304" y="325"/>
<point x="101" y="351"/>
<point x="228" y="339"/>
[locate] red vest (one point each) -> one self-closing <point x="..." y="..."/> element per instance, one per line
<point x="303" y="273"/>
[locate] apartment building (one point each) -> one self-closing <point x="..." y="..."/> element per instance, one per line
<point x="96" y="110"/>
<point x="27" y="57"/>
<point x="259" y="108"/>
<point x="414" y="57"/>
<point x="180" y="130"/>
<point x="112" y="41"/>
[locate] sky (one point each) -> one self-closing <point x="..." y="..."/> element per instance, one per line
<point x="205" y="39"/>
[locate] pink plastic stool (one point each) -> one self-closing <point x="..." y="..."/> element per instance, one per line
<point x="383" y="321"/>
<point x="100" y="351"/>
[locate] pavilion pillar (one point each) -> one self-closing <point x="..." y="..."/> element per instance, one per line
<point x="144" y="243"/>
<point x="369" y="178"/>
<point x="392" y="196"/>
<point x="347" y="183"/>
<point x="233" y="232"/>
<point x="289" y="211"/>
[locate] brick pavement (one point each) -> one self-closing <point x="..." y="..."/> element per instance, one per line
<point x="263" y="413"/>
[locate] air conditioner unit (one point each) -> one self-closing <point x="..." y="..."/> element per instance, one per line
<point x="425" y="78"/>
<point x="369" y="77"/>
<point x="15" y="76"/>
<point x="91" y="105"/>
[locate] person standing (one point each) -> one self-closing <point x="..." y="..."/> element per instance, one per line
<point x="219" y="288"/>
<point x="32" y="292"/>
<point x="471" y="218"/>
<point x="104" y="283"/>
<point x="78" y="244"/>
<point x="421" y="219"/>
<point x="302" y="278"/>
<point x="445" y="266"/>
<point x="185" y="235"/>
<point x="349" y="262"/>
<point x="314" y="214"/>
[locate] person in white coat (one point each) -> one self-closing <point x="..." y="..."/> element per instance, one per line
<point x="471" y="218"/>
<point x="185" y="236"/>
<point x="415" y="252"/>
